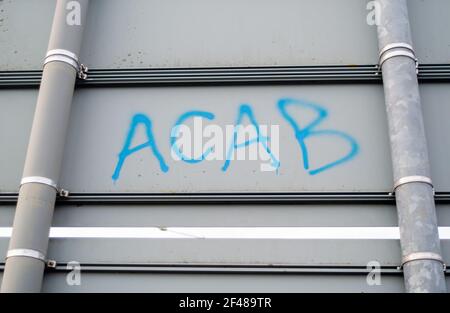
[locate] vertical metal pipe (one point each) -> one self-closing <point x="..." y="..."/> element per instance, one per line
<point x="423" y="271"/>
<point x="25" y="262"/>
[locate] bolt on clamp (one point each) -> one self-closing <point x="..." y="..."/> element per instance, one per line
<point x="61" y="55"/>
<point x="395" y="50"/>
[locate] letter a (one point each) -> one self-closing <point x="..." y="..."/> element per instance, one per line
<point x="127" y="151"/>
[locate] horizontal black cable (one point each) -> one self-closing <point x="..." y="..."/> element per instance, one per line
<point x="218" y="269"/>
<point x="227" y="198"/>
<point x="227" y="75"/>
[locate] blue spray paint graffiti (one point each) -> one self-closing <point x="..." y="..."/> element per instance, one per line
<point x="302" y="134"/>
<point x="175" y="133"/>
<point x="245" y="109"/>
<point x="127" y="151"/>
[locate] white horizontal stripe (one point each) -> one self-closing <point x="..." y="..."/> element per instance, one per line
<point x="228" y="232"/>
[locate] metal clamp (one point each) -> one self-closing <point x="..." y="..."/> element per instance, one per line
<point x="30" y="253"/>
<point x="45" y="181"/>
<point x="406" y="50"/>
<point x="413" y="179"/>
<point x="61" y="55"/>
<point x="396" y="45"/>
<point x="424" y="256"/>
<point x="39" y="180"/>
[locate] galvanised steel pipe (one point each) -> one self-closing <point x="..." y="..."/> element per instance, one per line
<point x="419" y="237"/>
<point x="26" y="258"/>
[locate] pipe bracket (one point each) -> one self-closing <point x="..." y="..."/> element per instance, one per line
<point x="39" y="180"/>
<point x="45" y="181"/>
<point x="413" y="179"/>
<point x="400" y="49"/>
<point x="68" y="57"/>
<point x="29" y="253"/>
<point x="417" y="256"/>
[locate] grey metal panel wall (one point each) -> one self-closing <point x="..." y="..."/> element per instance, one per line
<point x="436" y="111"/>
<point x="128" y="215"/>
<point x="17" y="109"/>
<point x="238" y="215"/>
<point x="200" y="251"/>
<point x="97" y="136"/>
<point x="222" y="283"/>
<point x="143" y="265"/>
<point x="152" y="34"/>
<point x="143" y="174"/>
<point x="262" y="252"/>
<point x="204" y="33"/>
<point x="24" y="33"/>
<point x="429" y="22"/>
